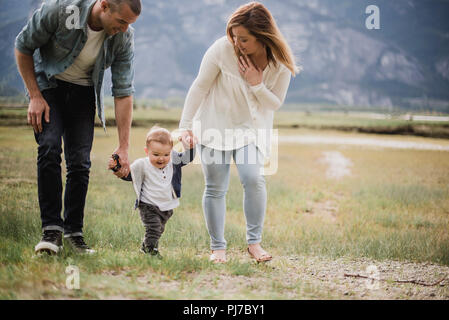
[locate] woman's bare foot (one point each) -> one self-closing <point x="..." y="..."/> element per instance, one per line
<point x="256" y="251"/>
<point x="218" y="256"/>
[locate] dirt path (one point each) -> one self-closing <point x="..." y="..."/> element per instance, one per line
<point x="338" y="165"/>
<point x="305" y="277"/>
<point x="363" y="142"/>
<point x="331" y="275"/>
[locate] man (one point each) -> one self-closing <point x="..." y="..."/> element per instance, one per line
<point x="62" y="54"/>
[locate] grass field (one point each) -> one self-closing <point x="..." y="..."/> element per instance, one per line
<point x="391" y="211"/>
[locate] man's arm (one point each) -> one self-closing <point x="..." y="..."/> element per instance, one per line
<point x="35" y="34"/>
<point x="123" y="118"/>
<point x="122" y="71"/>
<point x="38" y="105"/>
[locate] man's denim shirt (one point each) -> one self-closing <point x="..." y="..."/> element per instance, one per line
<point x="54" y="40"/>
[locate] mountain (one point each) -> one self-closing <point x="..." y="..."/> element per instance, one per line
<point x="404" y="63"/>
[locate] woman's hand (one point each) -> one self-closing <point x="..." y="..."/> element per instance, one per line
<point x="188" y="139"/>
<point x="252" y="74"/>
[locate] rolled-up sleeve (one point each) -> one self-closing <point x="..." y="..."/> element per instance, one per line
<point x="122" y="69"/>
<point x="39" y="29"/>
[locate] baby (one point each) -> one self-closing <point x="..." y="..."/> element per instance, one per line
<point x="157" y="183"/>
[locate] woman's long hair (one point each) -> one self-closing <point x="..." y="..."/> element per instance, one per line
<point x="259" y="22"/>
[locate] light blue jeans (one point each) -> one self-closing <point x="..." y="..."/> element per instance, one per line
<point x="216" y="169"/>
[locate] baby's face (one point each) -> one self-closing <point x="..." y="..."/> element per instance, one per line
<point x="159" y="154"/>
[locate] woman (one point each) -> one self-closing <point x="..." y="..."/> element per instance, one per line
<point x="243" y="79"/>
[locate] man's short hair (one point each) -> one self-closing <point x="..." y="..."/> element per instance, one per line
<point x="160" y="135"/>
<point x="134" y="5"/>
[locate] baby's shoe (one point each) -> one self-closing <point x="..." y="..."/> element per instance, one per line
<point x="150" y="250"/>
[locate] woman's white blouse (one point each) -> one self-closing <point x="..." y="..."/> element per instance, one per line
<point x="224" y="111"/>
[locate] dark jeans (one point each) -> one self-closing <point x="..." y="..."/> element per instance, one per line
<point x="72" y="113"/>
<point x="154" y="221"/>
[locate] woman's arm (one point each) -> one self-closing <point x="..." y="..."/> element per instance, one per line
<point x="275" y="98"/>
<point x="209" y="70"/>
<point x="253" y="75"/>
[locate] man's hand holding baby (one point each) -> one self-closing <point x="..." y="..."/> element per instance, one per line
<point x="115" y="165"/>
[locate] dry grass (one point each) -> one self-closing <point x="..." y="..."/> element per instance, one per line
<point x="393" y="207"/>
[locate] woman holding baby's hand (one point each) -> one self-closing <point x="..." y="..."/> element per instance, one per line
<point x="242" y="80"/>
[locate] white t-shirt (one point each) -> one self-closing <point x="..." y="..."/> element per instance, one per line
<point x="157" y="188"/>
<point x="224" y="111"/>
<point x="80" y="72"/>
